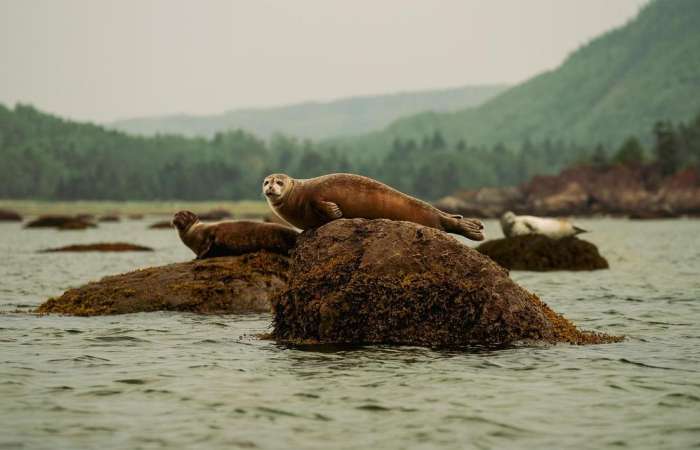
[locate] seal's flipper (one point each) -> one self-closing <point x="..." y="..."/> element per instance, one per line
<point x="530" y="227"/>
<point x="206" y="246"/>
<point x="469" y="228"/>
<point x="329" y="210"/>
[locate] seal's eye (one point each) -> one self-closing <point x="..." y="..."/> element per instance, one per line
<point x="266" y="183"/>
<point x="279" y="183"/>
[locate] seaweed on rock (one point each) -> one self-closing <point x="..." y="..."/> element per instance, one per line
<point x="387" y="282"/>
<point x="234" y="284"/>
<point x="541" y="253"/>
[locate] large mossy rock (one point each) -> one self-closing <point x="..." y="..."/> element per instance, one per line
<point x="540" y="253"/>
<point x="234" y="284"/>
<point x="387" y="282"/>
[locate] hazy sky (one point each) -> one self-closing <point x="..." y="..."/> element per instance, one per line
<point x="103" y="60"/>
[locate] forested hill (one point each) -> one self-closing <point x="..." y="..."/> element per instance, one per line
<point x="45" y="157"/>
<point x="617" y="85"/>
<point x="314" y="120"/>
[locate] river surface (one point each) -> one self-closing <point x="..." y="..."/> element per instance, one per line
<point x="183" y="381"/>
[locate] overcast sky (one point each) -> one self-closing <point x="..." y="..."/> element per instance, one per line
<point x="103" y="60"/>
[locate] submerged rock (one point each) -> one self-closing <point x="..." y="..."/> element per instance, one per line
<point x="234" y="284"/>
<point x="162" y="224"/>
<point x="214" y="215"/>
<point x="7" y="215"/>
<point x="388" y="282"/>
<point x="100" y="247"/>
<point x="541" y="253"/>
<point x="61" y="222"/>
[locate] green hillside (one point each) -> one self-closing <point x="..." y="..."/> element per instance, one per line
<point x="345" y="117"/>
<point x="618" y="85"/>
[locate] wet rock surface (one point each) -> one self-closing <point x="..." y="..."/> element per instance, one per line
<point x="541" y="253"/>
<point x="100" y="247"/>
<point x="387" y="282"/>
<point x="235" y="284"/>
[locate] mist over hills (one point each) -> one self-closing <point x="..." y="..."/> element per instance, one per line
<point x="316" y="120"/>
<point x="617" y="85"/>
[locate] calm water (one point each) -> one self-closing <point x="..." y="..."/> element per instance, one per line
<point x="172" y="381"/>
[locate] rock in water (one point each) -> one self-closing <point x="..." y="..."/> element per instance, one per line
<point x="161" y="224"/>
<point x="235" y="284"/>
<point x="7" y="215"/>
<point x="100" y="247"/>
<point x="387" y="282"/>
<point x="540" y="253"/>
<point x="61" y="222"/>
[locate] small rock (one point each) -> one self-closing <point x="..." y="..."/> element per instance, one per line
<point x="214" y="215"/>
<point x="100" y="247"/>
<point x="227" y="285"/>
<point x="60" y="222"/>
<point x="541" y="253"/>
<point x="162" y="224"/>
<point x="7" y="215"/>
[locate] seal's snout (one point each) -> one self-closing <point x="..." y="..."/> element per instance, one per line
<point x="272" y="188"/>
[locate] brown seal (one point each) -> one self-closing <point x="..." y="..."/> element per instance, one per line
<point x="229" y="238"/>
<point x="316" y="201"/>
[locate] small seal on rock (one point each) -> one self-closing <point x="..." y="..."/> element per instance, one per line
<point x="316" y="201"/>
<point x="230" y="238"/>
<point x="513" y="225"/>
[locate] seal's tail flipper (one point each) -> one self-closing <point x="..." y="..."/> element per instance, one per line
<point x="469" y="228"/>
<point x="578" y="230"/>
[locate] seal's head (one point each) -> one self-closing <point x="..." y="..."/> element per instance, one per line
<point x="183" y="220"/>
<point x="508" y="217"/>
<point x="276" y="187"/>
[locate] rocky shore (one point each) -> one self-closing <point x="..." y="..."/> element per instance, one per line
<point x="633" y="190"/>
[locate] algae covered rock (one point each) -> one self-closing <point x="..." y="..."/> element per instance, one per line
<point x="540" y="253"/>
<point x="235" y="284"/>
<point x="387" y="282"/>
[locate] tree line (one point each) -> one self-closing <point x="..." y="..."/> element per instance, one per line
<point x="45" y="157"/>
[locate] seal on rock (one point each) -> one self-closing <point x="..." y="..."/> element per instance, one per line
<point x="316" y="201"/>
<point x="230" y="238"/>
<point x="513" y="225"/>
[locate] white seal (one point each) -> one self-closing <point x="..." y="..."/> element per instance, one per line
<point x="513" y="225"/>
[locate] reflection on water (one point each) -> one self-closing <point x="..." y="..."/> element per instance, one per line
<point x="165" y="380"/>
